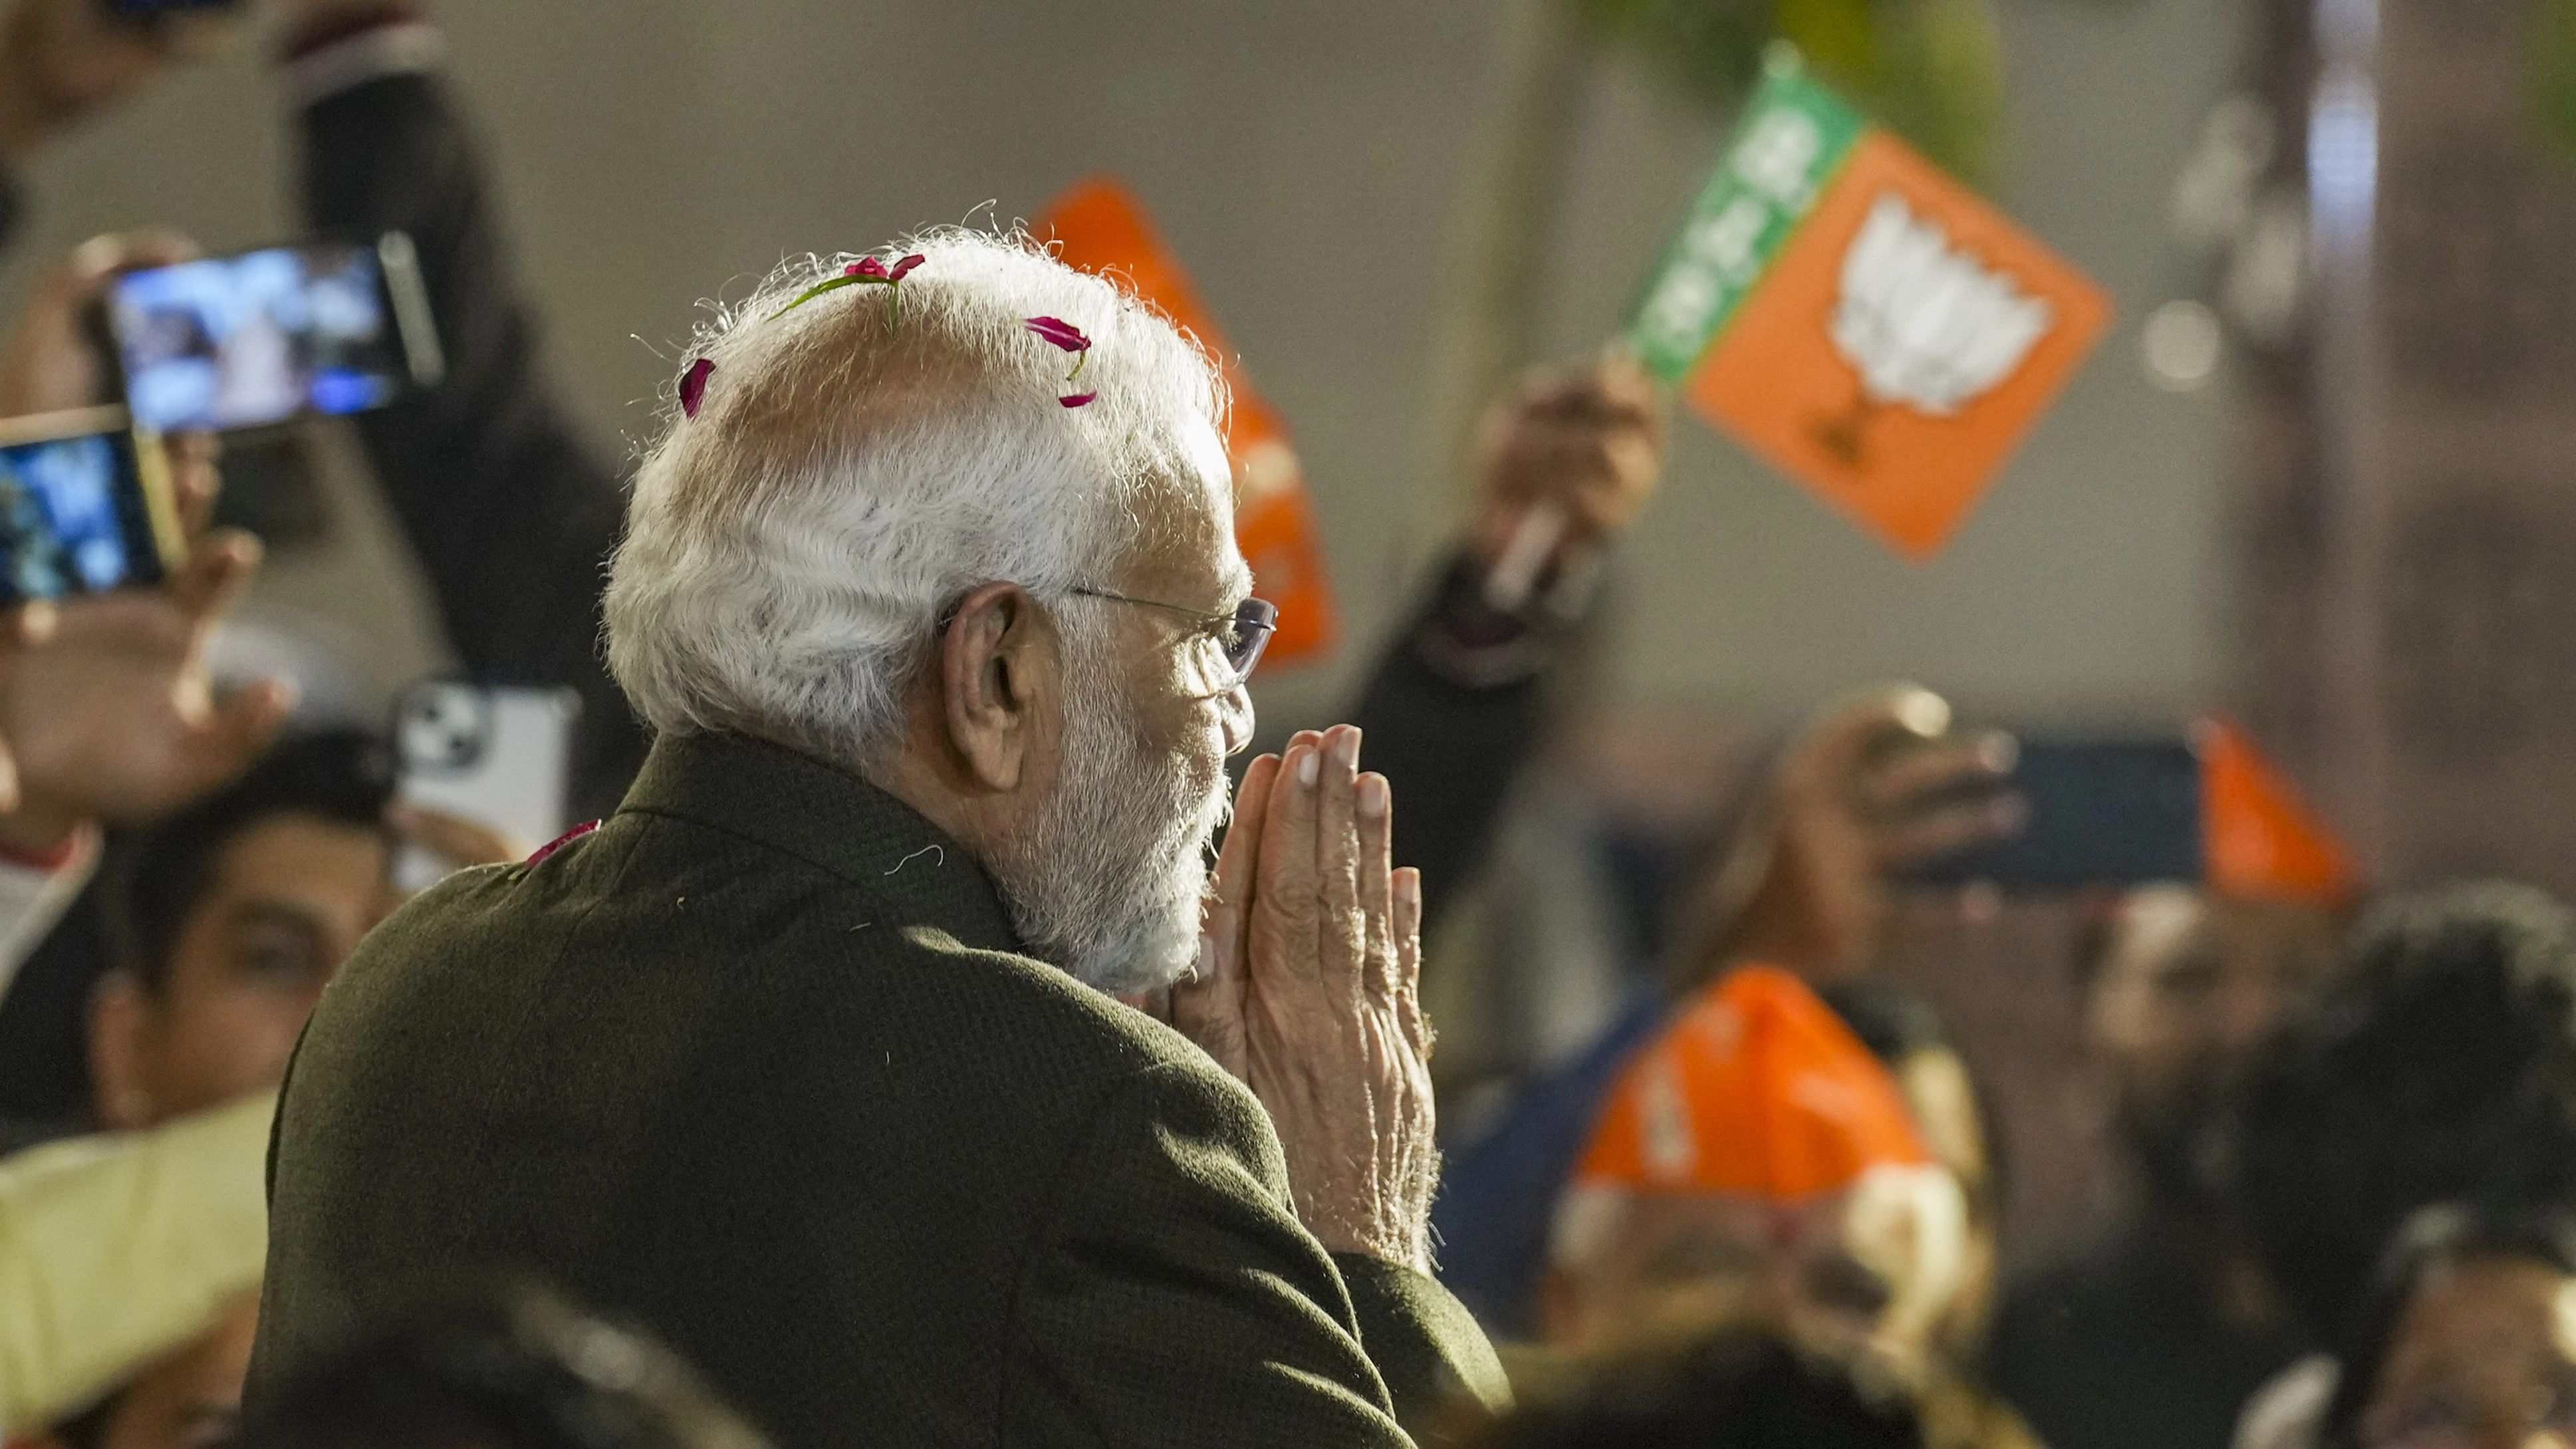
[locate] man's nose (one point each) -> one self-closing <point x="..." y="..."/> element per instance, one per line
<point x="1234" y="717"/>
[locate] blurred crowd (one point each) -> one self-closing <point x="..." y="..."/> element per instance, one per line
<point x="1765" y="1205"/>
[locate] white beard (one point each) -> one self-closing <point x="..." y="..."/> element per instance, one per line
<point x="1107" y="884"/>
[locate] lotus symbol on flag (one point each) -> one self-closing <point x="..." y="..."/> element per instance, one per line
<point x="1924" y="324"/>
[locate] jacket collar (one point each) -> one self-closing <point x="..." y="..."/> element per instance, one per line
<point x="828" y="818"/>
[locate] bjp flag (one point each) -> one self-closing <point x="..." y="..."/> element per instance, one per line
<point x="1863" y="322"/>
<point x="1100" y="226"/>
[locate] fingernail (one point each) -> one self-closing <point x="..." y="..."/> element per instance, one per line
<point x="1347" y="749"/>
<point x="1372" y="801"/>
<point x="1207" y="955"/>
<point x="1408" y="887"/>
<point x="1310" y="768"/>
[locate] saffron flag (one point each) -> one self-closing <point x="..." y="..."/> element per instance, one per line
<point x="2260" y="840"/>
<point x="1100" y="226"/>
<point x="1863" y="322"/>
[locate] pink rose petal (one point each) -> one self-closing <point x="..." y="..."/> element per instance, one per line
<point x="693" y="384"/>
<point x="864" y="267"/>
<point x="559" y="842"/>
<point x="907" y="264"/>
<point x="1061" y="333"/>
<point x="1078" y="399"/>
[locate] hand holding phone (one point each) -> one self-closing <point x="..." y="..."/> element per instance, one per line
<point x="1875" y="784"/>
<point x="86" y="505"/>
<point x="267" y="336"/>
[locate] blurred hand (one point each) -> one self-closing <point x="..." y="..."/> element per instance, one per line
<point x="62" y="61"/>
<point x="49" y="364"/>
<point x="1587" y="443"/>
<point x="453" y="838"/>
<point x="114" y="718"/>
<point x="1308" y="992"/>
<point x="1873" y="786"/>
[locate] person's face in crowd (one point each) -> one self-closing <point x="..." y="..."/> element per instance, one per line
<point x="285" y="902"/>
<point x="2188" y="990"/>
<point x="190" y="1399"/>
<point x="1843" y="1272"/>
<point x="2484" y="1357"/>
<point x="1107" y="876"/>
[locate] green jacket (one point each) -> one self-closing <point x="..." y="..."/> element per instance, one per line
<point x="759" y="1066"/>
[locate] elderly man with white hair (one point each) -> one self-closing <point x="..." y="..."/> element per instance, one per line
<point x="808" y="1057"/>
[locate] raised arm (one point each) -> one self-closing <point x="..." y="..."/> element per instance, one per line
<point x="511" y="515"/>
<point x="1456" y="706"/>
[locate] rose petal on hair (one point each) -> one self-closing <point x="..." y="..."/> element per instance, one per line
<point x="864" y="267"/>
<point x="907" y="264"/>
<point x="1061" y="333"/>
<point x="1077" y="399"/>
<point x="693" y="384"/>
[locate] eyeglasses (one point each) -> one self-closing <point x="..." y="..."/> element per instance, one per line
<point x="1246" y="631"/>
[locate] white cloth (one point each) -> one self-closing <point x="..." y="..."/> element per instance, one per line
<point x="2287" y="1412"/>
<point x="32" y="899"/>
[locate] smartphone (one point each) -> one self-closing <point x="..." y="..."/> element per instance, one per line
<point x="493" y="754"/>
<point x="85" y="506"/>
<point x="318" y="329"/>
<point x="2100" y="812"/>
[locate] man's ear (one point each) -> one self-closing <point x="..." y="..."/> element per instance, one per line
<point x="120" y="1025"/>
<point x="999" y="675"/>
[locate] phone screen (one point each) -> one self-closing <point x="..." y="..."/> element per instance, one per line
<point x="76" y="517"/>
<point x="2099" y="812"/>
<point x="245" y="341"/>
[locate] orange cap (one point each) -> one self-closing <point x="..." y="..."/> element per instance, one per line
<point x="1756" y="1090"/>
<point x="2260" y="841"/>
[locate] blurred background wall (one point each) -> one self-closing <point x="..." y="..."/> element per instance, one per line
<point x="1303" y="156"/>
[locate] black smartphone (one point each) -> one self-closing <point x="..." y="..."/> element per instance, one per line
<point x="262" y="337"/>
<point x="85" y="506"/>
<point x="2100" y="812"/>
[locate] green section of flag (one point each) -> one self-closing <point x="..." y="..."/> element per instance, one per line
<point x="1794" y="137"/>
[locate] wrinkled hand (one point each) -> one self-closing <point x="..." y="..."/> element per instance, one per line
<point x="1586" y="443"/>
<point x="1308" y="992"/>
<point x="62" y="61"/>
<point x="115" y="719"/>
<point x="1874" y="785"/>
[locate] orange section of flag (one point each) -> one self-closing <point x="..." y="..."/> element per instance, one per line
<point x="1100" y="226"/>
<point x="1757" y="1089"/>
<point x="1901" y="345"/>
<point x="2260" y="840"/>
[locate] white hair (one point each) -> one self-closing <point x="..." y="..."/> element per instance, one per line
<point x="867" y="459"/>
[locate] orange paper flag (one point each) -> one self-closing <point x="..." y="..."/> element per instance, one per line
<point x="1100" y="226"/>
<point x="2260" y="841"/>
<point x="1757" y="1090"/>
<point x="1863" y="322"/>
